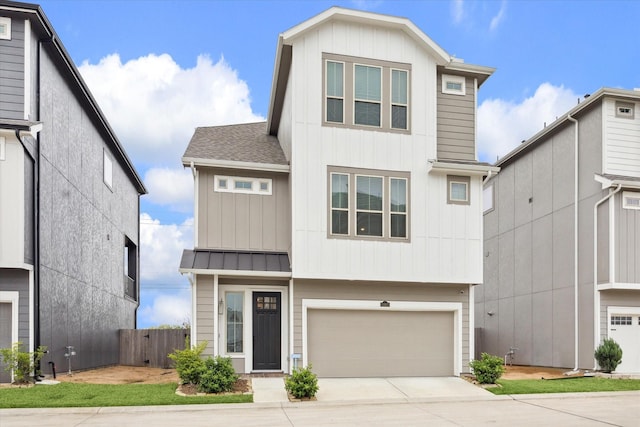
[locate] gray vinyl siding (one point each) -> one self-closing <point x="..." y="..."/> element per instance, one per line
<point x="627" y="243"/>
<point x="350" y="290"/>
<point x="83" y="225"/>
<point x="456" y="123"/>
<point x="205" y="320"/>
<point x="12" y="73"/>
<point x="239" y="221"/>
<point x="615" y="298"/>
<point x="529" y="251"/>
<point x="15" y="280"/>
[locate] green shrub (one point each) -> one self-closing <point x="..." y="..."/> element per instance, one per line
<point x="609" y="355"/>
<point x="488" y="369"/>
<point x="20" y="362"/>
<point x="188" y="362"/>
<point x="302" y="383"/>
<point x="218" y="375"/>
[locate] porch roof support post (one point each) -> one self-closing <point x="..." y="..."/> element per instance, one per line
<point x="216" y="317"/>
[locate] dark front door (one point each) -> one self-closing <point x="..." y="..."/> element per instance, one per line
<point x="266" y="331"/>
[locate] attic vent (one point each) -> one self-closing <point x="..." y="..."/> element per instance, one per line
<point x="5" y="28"/>
<point x="630" y="200"/>
<point x="625" y="110"/>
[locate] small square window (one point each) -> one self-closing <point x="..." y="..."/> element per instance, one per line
<point x="264" y="186"/>
<point x="5" y="28"/>
<point x="458" y="190"/>
<point x="625" y="110"/>
<point x="453" y="85"/>
<point x="222" y="183"/>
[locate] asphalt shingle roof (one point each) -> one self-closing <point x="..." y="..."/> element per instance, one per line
<point x="247" y="142"/>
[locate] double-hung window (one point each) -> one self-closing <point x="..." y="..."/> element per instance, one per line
<point x="360" y="92"/>
<point x="368" y="204"/>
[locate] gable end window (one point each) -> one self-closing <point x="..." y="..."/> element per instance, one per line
<point x="458" y="190"/>
<point x="453" y="85"/>
<point x="625" y="110"/>
<point x="368" y="204"/>
<point x="236" y="184"/>
<point x="630" y="200"/>
<point x="366" y="93"/>
<point x="5" y="28"/>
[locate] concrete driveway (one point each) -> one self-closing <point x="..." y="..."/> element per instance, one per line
<point x="375" y="389"/>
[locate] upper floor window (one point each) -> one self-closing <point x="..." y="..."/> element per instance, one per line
<point x="458" y="189"/>
<point x="368" y="204"/>
<point x="453" y="85"/>
<point x="5" y="28"/>
<point x="107" y="169"/>
<point x="236" y="184"/>
<point x="360" y="92"/>
<point x="487" y="199"/>
<point x="625" y="110"/>
<point x="130" y="269"/>
<point x="630" y="200"/>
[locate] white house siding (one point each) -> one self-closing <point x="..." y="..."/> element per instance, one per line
<point x="284" y="130"/>
<point x="437" y="231"/>
<point x="12" y="203"/>
<point x="621" y="152"/>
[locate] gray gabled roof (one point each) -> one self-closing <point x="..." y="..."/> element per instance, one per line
<point x="234" y="144"/>
<point x="213" y="261"/>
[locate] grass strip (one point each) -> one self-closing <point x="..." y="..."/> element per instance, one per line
<point x="564" y="385"/>
<point x="99" y="395"/>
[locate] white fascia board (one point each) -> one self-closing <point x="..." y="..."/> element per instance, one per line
<point x="274" y="81"/>
<point x="462" y="168"/>
<point x="610" y="183"/>
<point x="620" y="286"/>
<point x="237" y="273"/>
<point x="231" y="164"/>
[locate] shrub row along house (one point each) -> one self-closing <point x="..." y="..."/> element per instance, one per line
<point x="346" y="231"/>
<point x="69" y="204"/>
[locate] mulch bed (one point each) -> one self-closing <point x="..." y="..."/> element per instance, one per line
<point x="242" y="386"/>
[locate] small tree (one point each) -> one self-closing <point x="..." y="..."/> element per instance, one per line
<point x="188" y="362"/>
<point x="609" y="355"/>
<point x="20" y="362"/>
<point x="302" y="383"/>
<point x="488" y="369"/>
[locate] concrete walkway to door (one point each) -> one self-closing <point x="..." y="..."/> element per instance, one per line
<point x="376" y="389"/>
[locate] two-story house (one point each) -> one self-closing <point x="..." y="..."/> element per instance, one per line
<point x="69" y="204"/>
<point x="346" y="231"/>
<point x="562" y="233"/>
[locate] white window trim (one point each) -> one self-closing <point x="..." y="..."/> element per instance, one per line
<point x="326" y="95"/>
<point x="107" y="169"/>
<point x="13" y="298"/>
<point x="455" y="307"/>
<point x="5" y="35"/>
<point x="621" y="106"/>
<point x="488" y="192"/>
<point x="630" y="195"/>
<point x="255" y="185"/>
<point x="355" y="99"/>
<point x="447" y="78"/>
<point x="466" y="192"/>
<point x="2" y="148"/>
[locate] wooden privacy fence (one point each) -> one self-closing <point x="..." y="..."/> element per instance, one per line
<point x="150" y="347"/>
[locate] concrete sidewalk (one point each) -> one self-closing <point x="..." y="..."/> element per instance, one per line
<point x="271" y="390"/>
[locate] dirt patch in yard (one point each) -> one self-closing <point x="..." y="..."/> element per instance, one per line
<point x="534" y="373"/>
<point x="121" y="375"/>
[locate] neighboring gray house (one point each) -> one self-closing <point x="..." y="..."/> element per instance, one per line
<point x="562" y="239"/>
<point x="346" y="231"/>
<point x="69" y="204"/>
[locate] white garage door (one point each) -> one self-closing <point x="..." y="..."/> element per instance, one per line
<point x="374" y="343"/>
<point x="624" y="328"/>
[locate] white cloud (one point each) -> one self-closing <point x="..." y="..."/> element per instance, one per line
<point x="502" y="125"/>
<point x="457" y="11"/>
<point x="161" y="247"/>
<point x="154" y="105"/>
<point x="170" y="187"/>
<point x="167" y="309"/>
<point x="497" y="19"/>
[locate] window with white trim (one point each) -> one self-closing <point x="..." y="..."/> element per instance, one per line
<point x="235" y="321"/>
<point x="107" y="169"/>
<point x="621" y="320"/>
<point x="630" y="200"/>
<point x="458" y="189"/>
<point x="453" y="85"/>
<point x="625" y="110"/>
<point x="361" y="92"/>
<point x="368" y="204"/>
<point x="5" y="28"/>
<point x="487" y="199"/>
<point x="237" y="184"/>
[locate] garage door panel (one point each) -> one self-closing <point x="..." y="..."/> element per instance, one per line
<point x="366" y="343"/>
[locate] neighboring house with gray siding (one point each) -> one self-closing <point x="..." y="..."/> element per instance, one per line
<point x="346" y="230"/>
<point x="69" y="204"/>
<point x="562" y="240"/>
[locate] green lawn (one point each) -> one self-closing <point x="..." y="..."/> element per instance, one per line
<point x="93" y="395"/>
<point x="564" y="385"/>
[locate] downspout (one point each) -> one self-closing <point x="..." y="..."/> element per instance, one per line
<point x="596" y="294"/>
<point x="575" y="245"/>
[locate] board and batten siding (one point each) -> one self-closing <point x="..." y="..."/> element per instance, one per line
<point x="621" y="151"/>
<point x="12" y="203"/>
<point x="376" y="291"/>
<point x="243" y="221"/>
<point x="443" y="238"/>
<point x="627" y="243"/>
<point x="12" y="82"/>
<point x="456" y="123"/>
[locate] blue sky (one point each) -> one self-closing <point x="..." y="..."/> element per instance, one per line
<point x="160" y="68"/>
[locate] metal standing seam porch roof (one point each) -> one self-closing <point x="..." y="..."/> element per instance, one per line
<point x="235" y="263"/>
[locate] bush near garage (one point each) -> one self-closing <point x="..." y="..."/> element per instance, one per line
<point x="302" y="383"/>
<point x="609" y="355"/>
<point x="488" y="369"/>
<point x="21" y="362"/>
